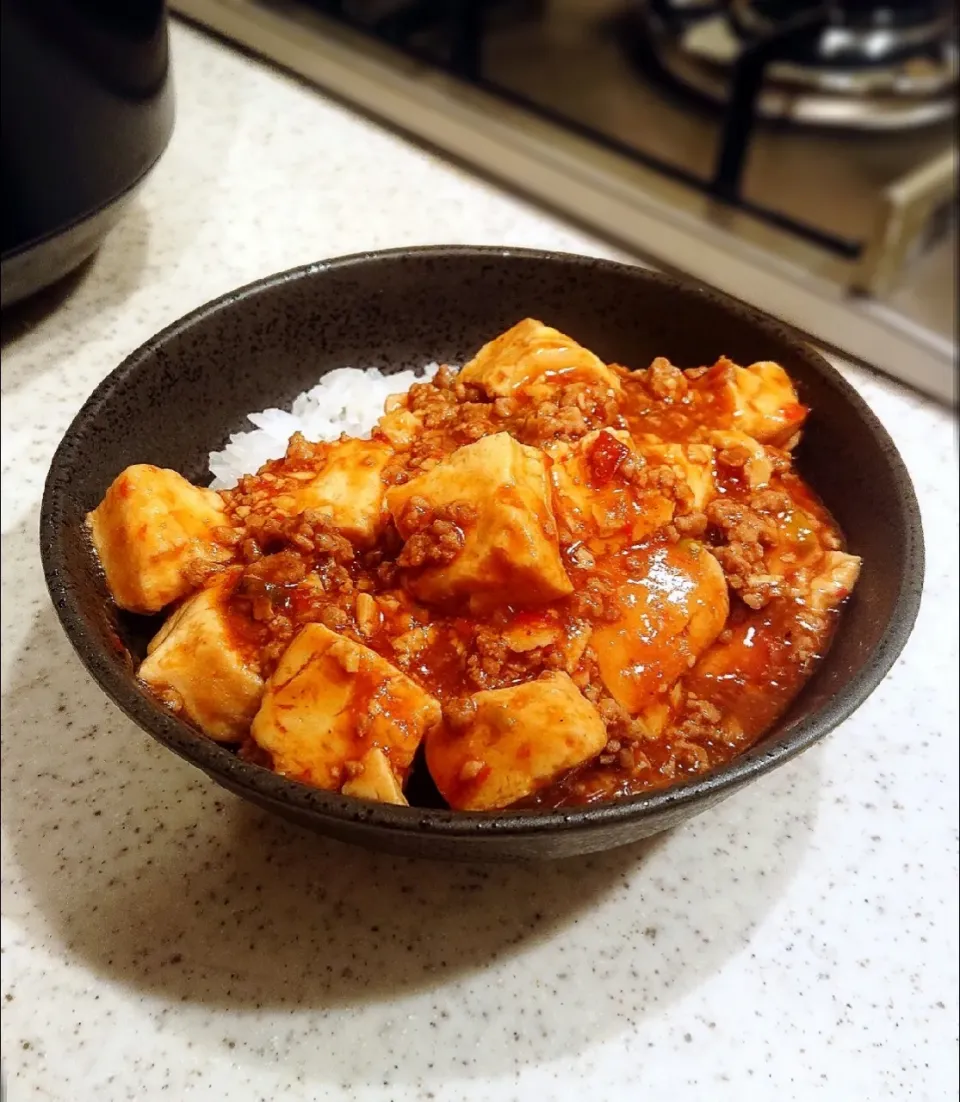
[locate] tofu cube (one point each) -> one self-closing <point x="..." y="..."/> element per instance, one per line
<point x="767" y="407"/>
<point x="201" y="665"/>
<point x="509" y="552"/>
<point x="532" y="353"/>
<point x="594" y="501"/>
<point x="673" y="605"/>
<point x="518" y="740"/>
<point x="375" y="780"/>
<point x="797" y="552"/>
<point x="150" y="527"/>
<point x="834" y="582"/>
<point x="349" y="488"/>
<point x="330" y="702"/>
<point x="399" y="426"/>
<point x="759" y="400"/>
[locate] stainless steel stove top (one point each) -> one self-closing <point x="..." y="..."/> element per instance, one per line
<point x="847" y="235"/>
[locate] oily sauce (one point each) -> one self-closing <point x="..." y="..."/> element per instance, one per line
<point x="698" y="706"/>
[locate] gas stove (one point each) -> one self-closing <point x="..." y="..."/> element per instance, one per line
<point x="857" y="65"/>
<point x="799" y="156"/>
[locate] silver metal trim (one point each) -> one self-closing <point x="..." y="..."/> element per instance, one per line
<point x="891" y="97"/>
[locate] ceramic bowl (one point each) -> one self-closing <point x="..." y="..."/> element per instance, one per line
<point x="179" y="396"/>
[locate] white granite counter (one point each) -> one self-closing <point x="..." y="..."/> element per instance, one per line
<point x="163" y="940"/>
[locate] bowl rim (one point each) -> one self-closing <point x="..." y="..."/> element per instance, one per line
<point x="112" y="674"/>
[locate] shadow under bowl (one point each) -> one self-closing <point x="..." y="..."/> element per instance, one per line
<point x="179" y="396"/>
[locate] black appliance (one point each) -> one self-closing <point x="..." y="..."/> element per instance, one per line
<point x="87" y="109"/>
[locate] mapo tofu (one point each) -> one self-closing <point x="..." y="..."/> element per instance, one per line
<point x="542" y="580"/>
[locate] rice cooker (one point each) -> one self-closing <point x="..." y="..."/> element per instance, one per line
<point x="87" y="109"/>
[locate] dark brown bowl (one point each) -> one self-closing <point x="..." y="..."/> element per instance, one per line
<point x="181" y="394"/>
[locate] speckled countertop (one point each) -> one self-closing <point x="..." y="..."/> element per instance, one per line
<point x="163" y="940"/>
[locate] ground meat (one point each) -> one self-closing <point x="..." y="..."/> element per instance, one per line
<point x="735" y="457"/>
<point x="436" y="535"/>
<point x="623" y="730"/>
<point x="771" y="501"/>
<point x="740" y="561"/>
<point x="477" y="421"/>
<point x="199" y="571"/>
<point x="310" y="532"/>
<point x="284" y="568"/>
<point x="459" y="712"/>
<point x="263" y="589"/>
<point x="738" y="523"/>
<point x="451" y="414"/>
<point x="273" y="651"/>
<point x="596" y="600"/>
<point x="665" y="381"/>
<point x="691" y="524"/>
<point x="699" y="718"/>
<point x="580" y="408"/>
<point x="334" y="618"/>
<point x="740" y="536"/>
<point x="492" y="664"/>
<point x="658" y="478"/>
<point x="437" y="544"/>
<point x="690" y="757"/>
<point x="300" y="449"/>
<point x="760" y="590"/>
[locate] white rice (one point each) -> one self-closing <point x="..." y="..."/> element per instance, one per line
<point x="347" y="400"/>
